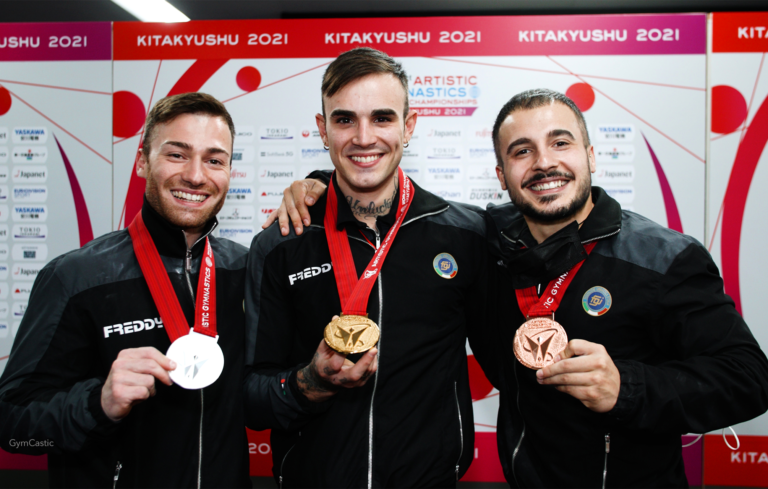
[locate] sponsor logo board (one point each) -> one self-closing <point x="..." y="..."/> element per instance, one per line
<point x="615" y="133"/>
<point x="623" y="194"/>
<point x="481" y="154"/>
<point x="242" y="174"/>
<point x="30" y="212"/>
<point x="30" y="252"/>
<point x="29" y="154"/>
<point x="276" y="133"/>
<point x="241" y="214"/>
<point x="444" y="153"/>
<point x="30" y="232"/>
<point x="243" y="154"/>
<point x="614" y="174"/>
<point x="276" y="154"/>
<point x="444" y="173"/>
<point x="29" y="174"/>
<point x="614" y="153"/>
<point x="240" y="194"/>
<point x="244" y="134"/>
<point x="240" y="234"/>
<point x="4" y="271"/>
<point x="493" y="194"/>
<point x="29" y="193"/>
<point x="5" y="309"/>
<point x="25" y="271"/>
<point x="314" y="154"/>
<point x="271" y="194"/>
<point x="4" y="154"/>
<point x="270" y="174"/>
<point x="21" y="290"/>
<point x="30" y="135"/>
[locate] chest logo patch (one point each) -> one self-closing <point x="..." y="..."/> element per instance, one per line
<point x="445" y="265"/>
<point x="596" y="301"/>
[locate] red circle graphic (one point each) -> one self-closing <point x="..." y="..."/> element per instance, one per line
<point x="729" y="109"/>
<point x="248" y="78"/>
<point x="128" y="114"/>
<point x="582" y="95"/>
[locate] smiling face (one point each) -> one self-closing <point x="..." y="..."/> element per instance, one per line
<point x="187" y="169"/>
<point x="546" y="167"/>
<point x="365" y="130"/>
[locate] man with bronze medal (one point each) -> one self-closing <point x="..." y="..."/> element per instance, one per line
<point x="86" y="363"/>
<point x="622" y="336"/>
<point x="379" y="396"/>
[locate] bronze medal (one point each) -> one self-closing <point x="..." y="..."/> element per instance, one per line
<point x="351" y="334"/>
<point x="538" y="341"/>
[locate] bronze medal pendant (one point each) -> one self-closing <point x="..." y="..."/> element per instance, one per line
<point x="538" y="341"/>
<point x="351" y="334"/>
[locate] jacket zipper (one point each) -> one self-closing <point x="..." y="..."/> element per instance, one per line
<point x="118" y="467"/>
<point x="376" y="375"/>
<point x="461" y="429"/>
<point x="607" y="451"/>
<point x="280" y="478"/>
<point x="522" y="435"/>
<point x="187" y="271"/>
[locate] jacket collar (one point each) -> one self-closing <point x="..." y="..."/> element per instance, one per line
<point x="424" y="203"/>
<point x="531" y="263"/>
<point x="169" y="239"/>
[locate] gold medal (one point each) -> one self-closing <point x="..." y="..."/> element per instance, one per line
<point x="538" y="341"/>
<point x="351" y="334"/>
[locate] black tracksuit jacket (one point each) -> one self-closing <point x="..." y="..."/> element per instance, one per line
<point x="85" y="307"/>
<point x="688" y="362"/>
<point x="411" y="425"/>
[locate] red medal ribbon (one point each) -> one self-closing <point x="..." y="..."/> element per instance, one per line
<point x="532" y="306"/>
<point x="162" y="291"/>
<point x="353" y="292"/>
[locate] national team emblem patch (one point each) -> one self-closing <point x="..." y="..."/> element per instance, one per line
<point x="445" y="265"/>
<point x="596" y="301"/>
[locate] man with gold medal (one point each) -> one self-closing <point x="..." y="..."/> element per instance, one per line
<point x="378" y="397"/>
<point x="623" y="338"/>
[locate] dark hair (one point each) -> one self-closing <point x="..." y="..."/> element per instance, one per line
<point x="358" y="63"/>
<point x="169" y="108"/>
<point x="532" y="99"/>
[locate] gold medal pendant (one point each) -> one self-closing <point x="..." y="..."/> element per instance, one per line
<point x="351" y="334"/>
<point x="538" y="341"/>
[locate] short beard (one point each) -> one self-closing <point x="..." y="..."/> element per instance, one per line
<point x="565" y="213"/>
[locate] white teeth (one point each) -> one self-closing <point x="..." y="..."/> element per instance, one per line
<point x="189" y="197"/>
<point x="548" y="185"/>
<point x="363" y="159"/>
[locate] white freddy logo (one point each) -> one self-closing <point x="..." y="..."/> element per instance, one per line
<point x="272" y="133"/>
<point x="243" y="154"/>
<point x="3" y="154"/>
<point x="25" y="271"/>
<point x="271" y="194"/>
<point x="444" y="173"/>
<point x="309" y="272"/>
<point x="276" y="154"/>
<point x="29" y="193"/>
<point x="624" y="194"/>
<point x="30" y="213"/>
<point x="30" y="174"/>
<point x="614" y="174"/>
<point x="615" y="133"/>
<point x="277" y="174"/>
<point x="3" y="271"/>
<point x="30" y="154"/>
<point x="30" y="252"/>
<point x="240" y="194"/>
<point x="21" y="290"/>
<point x="240" y="234"/>
<point x="444" y="153"/>
<point x="242" y="174"/>
<point x="244" y="134"/>
<point x="26" y="135"/>
<point x="244" y="214"/>
<point x="129" y="327"/>
<point x="618" y="153"/>
<point x="30" y="232"/>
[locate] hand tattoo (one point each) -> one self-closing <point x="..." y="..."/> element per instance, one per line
<point x="310" y="382"/>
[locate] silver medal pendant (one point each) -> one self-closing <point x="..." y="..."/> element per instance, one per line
<point x="199" y="360"/>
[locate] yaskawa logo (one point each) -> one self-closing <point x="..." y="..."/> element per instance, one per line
<point x="30" y="212"/>
<point x="616" y="132"/>
<point x="30" y="135"/>
<point x="240" y="194"/>
<point x="129" y="327"/>
<point x="444" y="173"/>
<point x="309" y="272"/>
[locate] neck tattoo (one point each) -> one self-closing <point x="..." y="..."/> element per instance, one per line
<point x="371" y="210"/>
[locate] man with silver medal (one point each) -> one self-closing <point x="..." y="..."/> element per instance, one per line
<point x="88" y="371"/>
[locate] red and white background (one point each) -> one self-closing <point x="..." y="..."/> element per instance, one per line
<point x="640" y="80"/>
<point x="738" y="168"/>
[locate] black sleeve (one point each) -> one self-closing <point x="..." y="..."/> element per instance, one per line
<point x="322" y="175"/>
<point x="481" y="325"/>
<point x="272" y="398"/>
<point x="716" y="376"/>
<point x="48" y="391"/>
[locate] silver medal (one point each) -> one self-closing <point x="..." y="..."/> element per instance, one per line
<point x="199" y="360"/>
